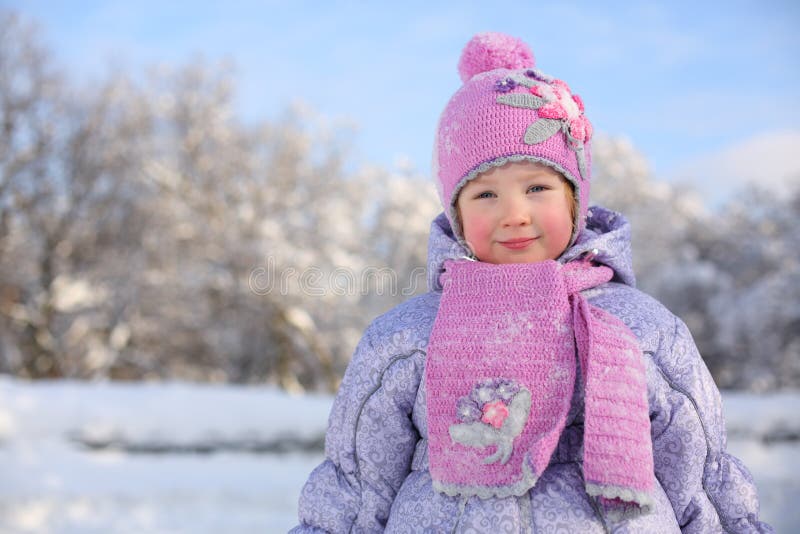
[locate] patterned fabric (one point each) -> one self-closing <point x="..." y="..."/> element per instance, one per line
<point x="508" y="111"/>
<point x="376" y="473"/>
<point x="505" y="331"/>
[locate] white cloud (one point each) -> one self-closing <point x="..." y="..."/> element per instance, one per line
<point x="769" y="159"/>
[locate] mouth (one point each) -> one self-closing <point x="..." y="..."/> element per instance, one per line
<point x="518" y="243"/>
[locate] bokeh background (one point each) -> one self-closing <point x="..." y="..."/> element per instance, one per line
<point x="159" y="159"/>
<point x="229" y="193"/>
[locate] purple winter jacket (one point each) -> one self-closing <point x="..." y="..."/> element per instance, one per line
<point x="375" y="476"/>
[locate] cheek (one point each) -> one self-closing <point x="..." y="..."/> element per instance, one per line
<point x="477" y="228"/>
<point x="558" y="222"/>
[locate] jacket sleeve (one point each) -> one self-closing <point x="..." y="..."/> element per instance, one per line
<point x="370" y="439"/>
<point x="710" y="490"/>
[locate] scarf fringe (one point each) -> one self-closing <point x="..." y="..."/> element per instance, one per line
<point x="518" y="489"/>
<point x="620" y="503"/>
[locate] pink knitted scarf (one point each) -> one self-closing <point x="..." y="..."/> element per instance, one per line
<point x="500" y="373"/>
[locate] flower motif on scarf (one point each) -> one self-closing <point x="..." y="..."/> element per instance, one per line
<point x="557" y="107"/>
<point x="493" y="413"/>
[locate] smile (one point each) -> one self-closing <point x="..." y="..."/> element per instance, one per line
<point x="519" y="243"/>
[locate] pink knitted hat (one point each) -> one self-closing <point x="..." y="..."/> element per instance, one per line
<point x="509" y="111"/>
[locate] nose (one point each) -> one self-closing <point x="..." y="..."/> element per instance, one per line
<point x="515" y="212"/>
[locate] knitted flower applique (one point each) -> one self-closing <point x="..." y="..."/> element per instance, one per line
<point x="558" y="110"/>
<point x="493" y="413"/>
<point x="563" y="105"/>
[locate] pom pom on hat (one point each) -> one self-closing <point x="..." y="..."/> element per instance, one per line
<point x="489" y="51"/>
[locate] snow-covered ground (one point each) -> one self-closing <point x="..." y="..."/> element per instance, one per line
<point x="78" y="457"/>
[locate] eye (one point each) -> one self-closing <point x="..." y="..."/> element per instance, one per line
<point x="537" y="188"/>
<point x="485" y="194"/>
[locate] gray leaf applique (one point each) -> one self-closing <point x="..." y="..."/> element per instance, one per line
<point x="521" y="100"/>
<point x="541" y="130"/>
<point x="581" y="155"/>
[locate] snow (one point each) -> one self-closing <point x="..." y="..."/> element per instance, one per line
<point x="176" y="457"/>
<point x="53" y="483"/>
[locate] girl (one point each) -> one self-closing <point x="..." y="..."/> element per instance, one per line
<point x="533" y="388"/>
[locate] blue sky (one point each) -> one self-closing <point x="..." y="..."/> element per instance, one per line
<point x="690" y="83"/>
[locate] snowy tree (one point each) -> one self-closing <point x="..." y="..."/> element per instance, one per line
<point x="758" y="317"/>
<point x="661" y="215"/>
<point x="27" y="102"/>
<point x="147" y="232"/>
<point x="730" y="274"/>
<point x="136" y="216"/>
<point x="63" y="192"/>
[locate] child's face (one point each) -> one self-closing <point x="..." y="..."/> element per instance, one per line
<point x="518" y="213"/>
